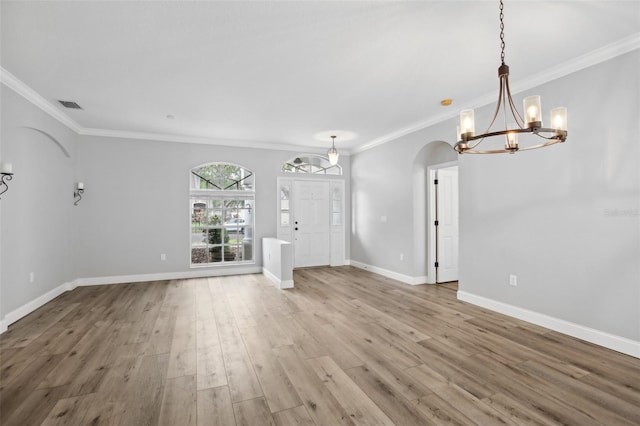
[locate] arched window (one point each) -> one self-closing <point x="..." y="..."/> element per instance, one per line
<point x="222" y="198"/>
<point x="311" y="164"/>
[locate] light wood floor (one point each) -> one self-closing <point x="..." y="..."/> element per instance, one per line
<point x="344" y="347"/>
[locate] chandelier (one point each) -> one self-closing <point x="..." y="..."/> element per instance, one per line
<point x="469" y="142"/>
<point x="333" y="152"/>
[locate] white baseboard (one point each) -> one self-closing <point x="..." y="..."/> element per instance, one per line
<point x="277" y="281"/>
<point x="196" y="273"/>
<point x="29" y="307"/>
<point x="610" y="341"/>
<point x="390" y="274"/>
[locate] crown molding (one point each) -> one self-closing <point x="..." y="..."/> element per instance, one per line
<point x="165" y="137"/>
<point x="36" y="99"/>
<point x="620" y="47"/>
<point x="610" y="51"/>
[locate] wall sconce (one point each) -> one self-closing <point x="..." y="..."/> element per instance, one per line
<point x="77" y="194"/>
<point x="7" y="174"/>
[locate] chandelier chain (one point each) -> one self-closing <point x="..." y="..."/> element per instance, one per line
<point x="502" y="32"/>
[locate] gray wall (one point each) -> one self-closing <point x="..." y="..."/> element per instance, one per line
<point x="383" y="183"/>
<point x="37" y="213"/>
<point x="136" y="205"/>
<point x="564" y="219"/>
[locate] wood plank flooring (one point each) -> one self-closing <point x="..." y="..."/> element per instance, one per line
<point x="345" y="347"/>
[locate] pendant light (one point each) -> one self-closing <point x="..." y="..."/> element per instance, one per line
<point x="333" y="152"/>
<point x="469" y="142"/>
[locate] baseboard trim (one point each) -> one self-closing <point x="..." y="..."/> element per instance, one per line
<point x="390" y="274"/>
<point x="29" y="307"/>
<point x="601" y="338"/>
<point x="199" y="273"/>
<point x="280" y="284"/>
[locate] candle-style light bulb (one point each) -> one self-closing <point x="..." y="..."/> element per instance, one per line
<point x="532" y="111"/>
<point x="7" y="168"/>
<point x="559" y="118"/>
<point x="467" y="122"/>
<point x="511" y="142"/>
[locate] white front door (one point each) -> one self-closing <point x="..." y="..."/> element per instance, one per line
<point x="311" y="230"/>
<point x="447" y="229"/>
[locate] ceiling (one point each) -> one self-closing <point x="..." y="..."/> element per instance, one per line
<point x="290" y="73"/>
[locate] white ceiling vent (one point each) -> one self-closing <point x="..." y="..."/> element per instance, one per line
<point x="70" y="104"/>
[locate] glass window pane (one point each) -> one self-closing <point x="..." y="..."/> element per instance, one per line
<point x="222" y="177"/>
<point x="284" y="192"/>
<point x="314" y="164"/>
<point x="284" y="218"/>
<point x="215" y="254"/>
<point x="198" y="237"/>
<point x="337" y="193"/>
<point x="336" y="219"/>
<point x="214" y="236"/>
<point x="199" y="255"/>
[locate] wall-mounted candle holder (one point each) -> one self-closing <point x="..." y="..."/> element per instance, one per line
<point x="77" y="194"/>
<point x="6" y="170"/>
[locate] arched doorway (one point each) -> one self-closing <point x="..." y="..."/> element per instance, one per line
<point x="432" y="157"/>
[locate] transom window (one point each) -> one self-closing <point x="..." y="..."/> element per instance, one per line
<point x="222" y="197"/>
<point x="311" y="164"/>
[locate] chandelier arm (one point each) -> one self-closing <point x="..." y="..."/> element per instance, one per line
<point x="498" y="104"/>
<point x="559" y="136"/>
<point x="514" y="111"/>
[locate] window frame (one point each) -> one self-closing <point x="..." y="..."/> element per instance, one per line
<point x="209" y="198"/>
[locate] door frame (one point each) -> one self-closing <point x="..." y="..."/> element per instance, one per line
<point x="337" y="233"/>
<point x="431" y="217"/>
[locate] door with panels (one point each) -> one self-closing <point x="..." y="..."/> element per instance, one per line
<point x="447" y="224"/>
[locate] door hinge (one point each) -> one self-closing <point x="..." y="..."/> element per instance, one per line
<point x="435" y="181"/>
<point x="436" y="223"/>
<point x="436" y="264"/>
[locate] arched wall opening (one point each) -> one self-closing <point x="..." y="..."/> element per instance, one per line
<point x="431" y="155"/>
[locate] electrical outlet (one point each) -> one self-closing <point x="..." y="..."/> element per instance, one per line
<point x="513" y="280"/>
<point x="32" y="277"/>
<point x="401" y="256"/>
<point x="163" y="257"/>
